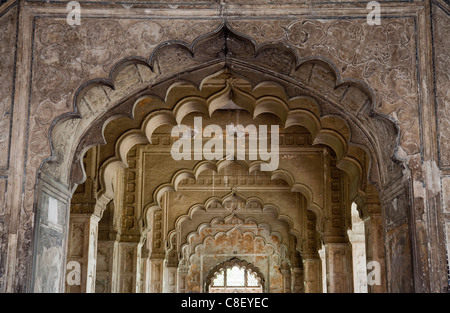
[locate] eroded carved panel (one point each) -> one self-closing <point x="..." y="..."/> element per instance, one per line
<point x="441" y="29"/>
<point x="8" y="33"/>
<point x="446" y="193"/>
<point x="105" y="267"/>
<point x="376" y="55"/>
<point x="128" y="268"/>
<point x="3" y="189"/>
<point x="398" y="256"/>
<point x="8" y="25"/>
<point x="77" y="240"/>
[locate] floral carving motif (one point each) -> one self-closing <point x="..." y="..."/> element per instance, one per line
<point x="382" y="56"/>
<point x="66" y="57"/>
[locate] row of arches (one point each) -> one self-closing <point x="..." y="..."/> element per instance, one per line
<point x="296" y="180"/>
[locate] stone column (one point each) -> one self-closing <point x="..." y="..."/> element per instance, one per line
<point x="107" y="267"/>
<point x="49" y="269"/>
<point x="287" y="278"/>
<point x="170" y="277"/>
<point x="145" y="270"/>
<point x="139" y="266"/>
<point x="312" y="266"/>
<point x="370" y="212"/>
<point x="128" y="267"/>
<point x="83" y="231"/>
<point x="297" y="279"/>
<point x="398" y="236"/>
<point x="357" y="239"/>
<point x="156" y="272"/>
<point x="359" y="262"/>
<point x="375" y="251"/>
<point x="339" y="267"/>
<point x="324" y="269"/>
<point x="183" y="270"/>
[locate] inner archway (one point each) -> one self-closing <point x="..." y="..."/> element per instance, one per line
<point x="235" y="276"/>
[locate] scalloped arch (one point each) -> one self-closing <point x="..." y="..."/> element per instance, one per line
<point x="224" y="48"/>
<point x="190" y="253"/>
<point x="204" y="207"/>
<point x="327" y="130"/>
<point x="202" y="166"/>
<point x="234" y="262"/>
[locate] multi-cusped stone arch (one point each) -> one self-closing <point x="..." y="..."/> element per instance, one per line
<point x="204" y="166"/>
<point x="224" y="215"/>
<point x="99" y="101"/>
<point x="243" y="239"/>
<point x="329" y="130"/>
<point x="310" y="93"/>
<point x="215" y="208"/>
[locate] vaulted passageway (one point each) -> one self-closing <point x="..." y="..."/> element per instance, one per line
<point x="172" y="219"/>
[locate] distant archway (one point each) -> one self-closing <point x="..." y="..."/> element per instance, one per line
<point x="235" y="276"/>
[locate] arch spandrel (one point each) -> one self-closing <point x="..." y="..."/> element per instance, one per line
<point x="215" y="211"/>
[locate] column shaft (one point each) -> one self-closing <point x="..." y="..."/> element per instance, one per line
<point x="313" y="275"/>
<point x="339" y="267"/>
<point x="156" y="274"/>
<point x="83" y="232"/>
<point x="375" y="252"/>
